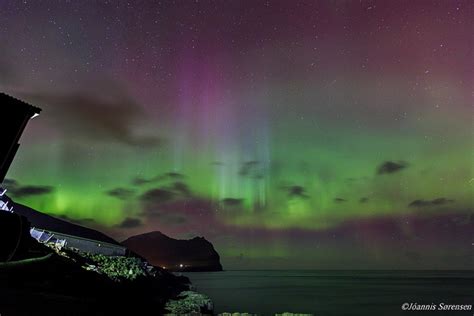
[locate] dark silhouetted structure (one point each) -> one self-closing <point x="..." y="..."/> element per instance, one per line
<point x="14" y="114"/>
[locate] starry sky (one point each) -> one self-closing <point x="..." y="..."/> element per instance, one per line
<point x="291" y="134"/>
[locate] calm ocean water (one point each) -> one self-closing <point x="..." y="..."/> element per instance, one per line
<point x="335" y="292"/>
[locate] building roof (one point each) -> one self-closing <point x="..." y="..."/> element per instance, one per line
<point x="8" y="99"/>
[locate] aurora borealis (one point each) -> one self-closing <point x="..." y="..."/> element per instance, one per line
<point x="291" y="134"/>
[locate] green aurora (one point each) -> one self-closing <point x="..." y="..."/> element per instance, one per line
<point x="302" y="143"/>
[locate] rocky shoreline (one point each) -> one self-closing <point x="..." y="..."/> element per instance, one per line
<point x="46" y="279"/>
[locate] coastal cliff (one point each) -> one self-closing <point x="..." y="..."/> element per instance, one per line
<point x="195" y="254"/>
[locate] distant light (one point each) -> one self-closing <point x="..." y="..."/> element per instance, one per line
<point x="181" y="265"/>
<point x="164" y="268"/>
<point x="35" y="115"/>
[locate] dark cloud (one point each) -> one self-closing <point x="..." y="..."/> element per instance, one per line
<point x="107" y="115"/>
<point x="154" y="199"/>
<point x="232" y="202"/>
<point x="364" y="200"/>
<point x="184" y="215"/>
<point x="389" y="167"/>
<point x="121" y="193"/>
<point x="339" y="200"/>
<point x="435" y="202"/>
<point x="419" y="203"/>
<point x="138" y="181"/>
<point x="30" y="190"/>
<point x="296" y="191"/>
<point x="248" y="168"/>
<point x="17" y="190"/>
<point x="157" y="196"/>
<point x="181" y="188"/>
<point x="130" y="222"/>
<point x="441" y="201"/>
<point x="173" y="176"/>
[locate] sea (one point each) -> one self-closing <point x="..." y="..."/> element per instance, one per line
<point x="339" y="292"/>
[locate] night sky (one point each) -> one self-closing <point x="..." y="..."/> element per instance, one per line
<point x="291" y="134"/>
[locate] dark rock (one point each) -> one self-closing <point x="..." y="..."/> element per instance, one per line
<point x="189" y="302"/>
<point x="196" y="254"/>
<point x="51" y="223"/>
